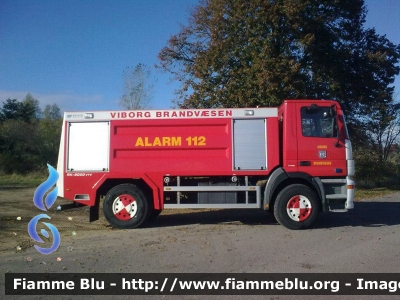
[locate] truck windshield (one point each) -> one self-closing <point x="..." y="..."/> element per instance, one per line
<point x="318" y="122"/>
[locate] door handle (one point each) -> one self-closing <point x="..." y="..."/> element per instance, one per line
<point x="305" y="163"/>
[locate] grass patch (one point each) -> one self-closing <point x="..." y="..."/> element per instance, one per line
<point x="375" y="192"/>
<point x="16" y="180"/>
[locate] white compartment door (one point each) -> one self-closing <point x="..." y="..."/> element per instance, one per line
<point x="88" y="146"/>
<point x="249" y="144"/>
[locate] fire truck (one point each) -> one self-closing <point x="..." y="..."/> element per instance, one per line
<point x="294" y="160"/>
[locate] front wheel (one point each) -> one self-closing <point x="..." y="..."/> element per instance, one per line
<point x="125" y="206"/>
<point x="296" y="207"/>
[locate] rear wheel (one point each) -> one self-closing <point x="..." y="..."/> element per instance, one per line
<point x="125" y="206"/>
<point x="296" y="207"/>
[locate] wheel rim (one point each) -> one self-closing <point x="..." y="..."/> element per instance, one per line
<point x="124" y="207"/>
<point x="299" y="208"/>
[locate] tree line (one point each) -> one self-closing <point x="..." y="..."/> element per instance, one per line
<point x="29" y="136"/>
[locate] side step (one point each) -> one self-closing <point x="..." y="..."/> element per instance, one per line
<point x="338" y="210"/>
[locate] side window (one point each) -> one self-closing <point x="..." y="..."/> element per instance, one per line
<point x="318" y="122"/>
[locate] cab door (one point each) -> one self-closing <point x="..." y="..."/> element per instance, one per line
<point x="320" y="151"/>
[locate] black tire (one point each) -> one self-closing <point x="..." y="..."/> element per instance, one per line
<point x="296" y="207"/>
<point x="125" y="206"/>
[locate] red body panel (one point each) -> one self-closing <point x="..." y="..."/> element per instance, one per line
<point x="175" y="147"/>
<point x="288" y="118"/>
<point x="298" y="148"/>
<point x="82" y="183"/>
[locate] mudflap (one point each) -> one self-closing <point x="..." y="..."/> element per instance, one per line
<point x="94" y="213"/>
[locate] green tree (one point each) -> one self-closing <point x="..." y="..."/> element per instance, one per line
<point x="27" y="110"/>
<point x="19" y="147"/>
<point x="50" y="133"/>
<point x="11" y="110"/>
<point x="28" y="137"/>
<point x="259" y="52"/>
<point x="138" y="87"/>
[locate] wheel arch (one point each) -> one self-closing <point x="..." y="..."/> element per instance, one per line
<point x="109" y="183"/>
<point x="280" y="179"/>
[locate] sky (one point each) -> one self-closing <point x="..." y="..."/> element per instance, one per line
<point x="73" y="52"/>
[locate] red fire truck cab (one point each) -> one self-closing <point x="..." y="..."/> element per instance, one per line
<point x="294" y="160"/>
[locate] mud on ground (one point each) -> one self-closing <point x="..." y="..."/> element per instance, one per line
<point x="17" y="210"/>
